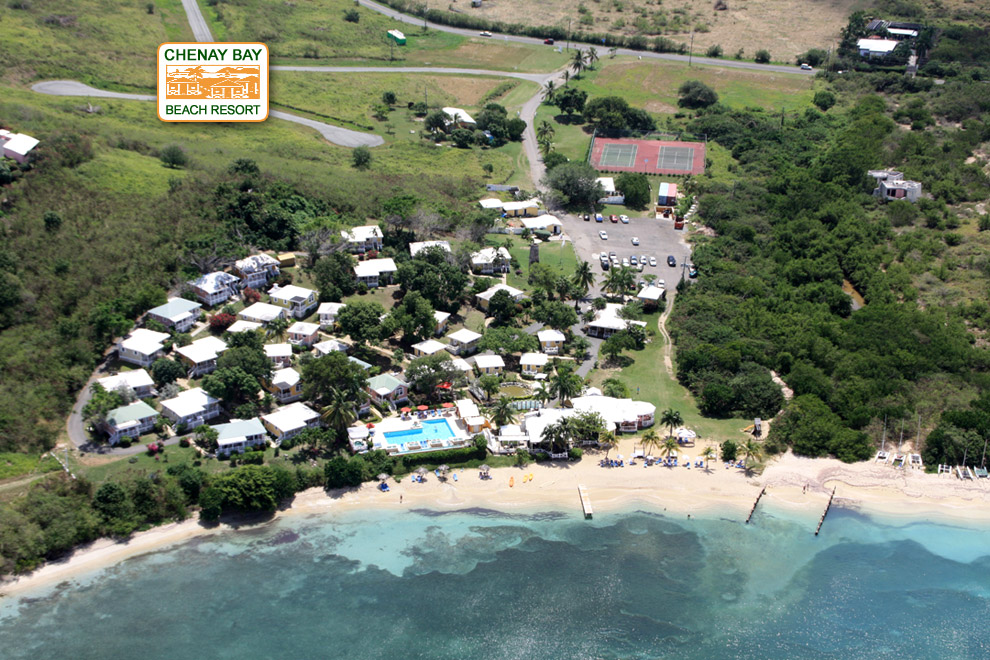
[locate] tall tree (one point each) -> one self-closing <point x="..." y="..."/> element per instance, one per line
<point x="338" y="413"/>
<point x="502" y="412"/>
<point x="607" y="440"/>
<point x="565" y="384"/>
<point x="361" y="321"/>
<point x="277" y="328"/>
<point x="549" y="91"/>
<point x="583" y="279"/>
<point x="671" y="418"/>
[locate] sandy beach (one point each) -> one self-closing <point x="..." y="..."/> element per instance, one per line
<point x="801" y="486"/>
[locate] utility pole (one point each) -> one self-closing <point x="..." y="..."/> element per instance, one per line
<point x="568" y="34"/>
<point x="691" y="50"/>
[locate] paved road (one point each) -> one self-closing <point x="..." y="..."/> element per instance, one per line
<point x="200" y="30"/>
<point x="706" y="61"/>
<point x="540" y="78"/>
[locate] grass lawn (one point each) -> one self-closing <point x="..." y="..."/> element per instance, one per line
<point x="568" y="139"/>
<point x="14" y="464"/>
<point x="474" y="320"/>
<point x="560" y="256"/>
<point x="380" y="295"/>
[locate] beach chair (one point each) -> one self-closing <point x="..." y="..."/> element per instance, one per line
<point x="455" y="476"/>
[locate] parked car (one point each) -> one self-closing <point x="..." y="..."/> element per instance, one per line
<point x="633" y="260"/>
<point x="806" y="66"/>
<point x="486" y="33"/>
<point x="587" y="217"/>
<point x="606" y="264"/>
<point x="692" y="271"/>
<point x="661" y="284"/>
<point x="599" y="218"/>
<point x="635" y="240"/>
<point x="625" y="262"/>
<point x="653" y="261"/>
<point x="612" y="255"/>
<point x="671" y="261"/>
<point x="624" y="219"/>
<point x="640" y="267"/>
<point x="602" y="235"/>
<point x="548" y="41"/>
<point x="643" y="259"/>
<point x="613" y="218"/>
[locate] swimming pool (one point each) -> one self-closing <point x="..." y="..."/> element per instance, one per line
<point x="431" y="429"/>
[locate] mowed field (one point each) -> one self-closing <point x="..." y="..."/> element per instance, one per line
<point x="784" y="27"/>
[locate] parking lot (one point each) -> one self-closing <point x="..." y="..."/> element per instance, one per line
<point x="657" y="238"/>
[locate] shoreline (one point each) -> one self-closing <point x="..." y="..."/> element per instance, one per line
<point x="798" y="487"/>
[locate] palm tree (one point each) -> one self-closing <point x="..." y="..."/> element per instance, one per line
<point x="545" y="131"/>
<point x="567" y="77"/>
<point x="615" y="388"/>
<point x="565" y="384"/>
<point x="278" y="327"/>
<point x="651" y="442"/>
<point x="619" y="280"/>
<point x="339" y="413"/>
<point x="583" y="279"/>
<point x="546" y="146"/>
<point x="557" y="436"/>
<point x="607" y="440"/>
<point x="751" y="451"/>
<point x="669" y="446"/>
<point x="592" y="57"/>
<point x="550" y="91"/>
<point x="708" y="454"/>
<point x="562" y="287"/>
<point x="543" y="395"/>
<point x="577" y="62"/>
<point x="612" y="51"/>
<point x="502" y="412"/>
<point x="489" y="385"/>
<point x="671" y="418"/>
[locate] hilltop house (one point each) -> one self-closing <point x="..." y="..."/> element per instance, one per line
<point x="367" y="238"/>
<point x="138" y="381"/>
<point x="142" y="347"/>
<point x="463" y="342"/>
<point x="239" y="435"/>
<point x="304" y="334"/>
<point x="200" y="357"/>
<point x="16" y="145"/>
<point x="262" y="313"/>
<point x="491" y="260"/>
<point x="551" y="341"/>
<point x="485" y="296"/>
<point x="375" y="272"/>
<point x="416" y="248"/>
<point x="328" y="312"/>
<point x="290" y="420"/>
<point x="296" y="300"/>
<point x="215" y="288"/>
<point x="191" y="408"/>
<point x="532" y="364"/>
<point x="459" y="118"/>
<point x="490" y="365"/>
<point x="131" y="421"/>
<point x="891" y="185"/>
<point x="178" y="314"/>
<point x="876" y="46"/>
<point x="386" y="388"/>
<point x="285" y="385"/>
<point x="280" y="355"/>
<point x="257" y="270"/>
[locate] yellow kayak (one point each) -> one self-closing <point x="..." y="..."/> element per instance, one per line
<point x="512" y="482"/>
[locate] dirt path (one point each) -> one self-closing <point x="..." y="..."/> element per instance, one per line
<point x="668" y="345"/>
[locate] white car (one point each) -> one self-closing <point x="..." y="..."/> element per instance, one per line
<point x="806" y="67"/>
<point x="653" y="261"/>
<point x="640" y="267"/>
<point x="602" y="235"/>
<point x="486" y="33"/>
<point x="625" y="262"/>
<point x="635" y="240"/>
<point x="624" y="219"/>
<point x="644" y="259"/>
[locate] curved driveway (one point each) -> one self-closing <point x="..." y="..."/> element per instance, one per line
<point x="198" y="25"/>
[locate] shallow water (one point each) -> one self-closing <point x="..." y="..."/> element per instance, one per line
<point x="482" y="584"/>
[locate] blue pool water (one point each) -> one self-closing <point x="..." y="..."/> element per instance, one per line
<point x="485" y="585"/>
<point x="432" y="429"/>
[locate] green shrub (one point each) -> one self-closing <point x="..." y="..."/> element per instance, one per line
<point x="575" y="453"/>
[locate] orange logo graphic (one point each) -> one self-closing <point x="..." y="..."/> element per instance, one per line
<point x="213" y="82"/>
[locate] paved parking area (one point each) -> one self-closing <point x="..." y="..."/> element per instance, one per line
<point x="657" y="238"/>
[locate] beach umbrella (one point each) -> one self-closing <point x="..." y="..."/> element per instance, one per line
<point x="448" y="405"/>
<point x="619" y="457"/>
<point x="444" y="468"/>
<point x="422" y="407"/>
<point x="421" y="470"/>
<point x="370" y="425"/>
<point x="405" y="410"/>
<point x="484" y="468"/>
<point x="383" y="477"/>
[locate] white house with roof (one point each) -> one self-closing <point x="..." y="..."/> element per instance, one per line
<point x="285" y="385"/>
<point x="280" y="355"/>
<point x="304" y="334"/>
<point x="142" y="347"/>
<point x="131" y="421"/>
<point x="257" y="270"/>
<point x="296" y="300"/>
<point x="485" y="296"/>
<point x="191" y="408"/>
<point x="610" y="194"/>
<point x="240" y="435"/>
<point x="416" y="248"/>
<point x="532" y="364"/>
<point x="876" y="47"/>
<point x="16" y="145"/>
<point x="891" y="186"/>
<point x="138" y="381"/>
<point x="461" y="364"/>
<point x="459" y="118"/>
<point x="489" y="365"/>
<point x="367" y="238"/>
<point x="607" y="322"/>
<point x="241" y="325"/>
<point x="545" y="222"/>
<point x="529" y="207"/>
<point x="490" y="203"/>
<point x="491" y="260"/>
<point x="328" y="312"/>
<point x="329" y="346"/>
<point x="428" y="347"/>
<point x="441" y="319"/>
<point x="651" y="295"/>
<point x="375" y="272"/>
<point x="291" y="420"/>
<point x="386" y="388"/>
<point x="178" y="313"/>
<point x="200" y="357"/>
<point x="551" y="341"/>
<point x="262" y="313"/>
<point x="463" y="341"/>
<point x="216" y="287"/>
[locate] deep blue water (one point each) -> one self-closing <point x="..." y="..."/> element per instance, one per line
<point x="481" y="584"/>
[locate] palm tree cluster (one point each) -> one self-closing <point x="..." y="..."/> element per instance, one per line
<point x="583" y="280"/>
<point x="671" y="418"/>
<point x="565" y="384"/>
<point x="502" y="412"/>
<point x="583" y="59"/>
<point x="544" y="135"/>
<point x="619" y="280"/>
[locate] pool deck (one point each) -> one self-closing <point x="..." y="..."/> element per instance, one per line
<point x="414" y="445"/>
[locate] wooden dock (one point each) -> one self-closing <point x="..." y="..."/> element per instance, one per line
<point x="753" y="510"/>
<point x="825" y="512"/>
<point x="585" y="501"/>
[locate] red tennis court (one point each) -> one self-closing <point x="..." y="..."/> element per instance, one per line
<point x="647" y="156"/>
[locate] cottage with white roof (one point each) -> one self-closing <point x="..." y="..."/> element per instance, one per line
<point x="532" y="364"/>
<point x="331" y="346"/>
<point x="304" y="334"/>
<point x="375" y="272"/>
<point x="463" y="341"/>
<point x="461" y="365"/>
<point x="138" y="381"/>
<point x="367" y="238"/>
<point x="142" y="347"/>
<point x="280" y="355"/>
<point x="876" y="47"/>
<point x="200" y="357"/>
<point x="428" y="347"/>
<point x="178" y="313"/>
<point x="290" y="420"/>
<point x="529" y="207"/>
<point x="607" y="322"/>
<point x="262" y="313"/>
<point x="16" y="145"/>
<point x="485" y="296"/>
<point x="551" y="341"/>
<point x="328" y="312"/>
<point x="491" y="260"/>
<point x="545" y="222"/>
<point x="610" y="194"/>
<point x="257" y="270"/>
<point x="459" y="117"/>
<point x="416" y="248"/>
<point x="296" y="300"/>
<point x="244" y="326"/>
<point x="239" y="435"/>
<point x="131" y="421"/>
<point x="216" y="287"/>
<point x="441" y="318"/>
<point x="490" y="203"/>
<point x="651" y="295"/>
<point x="191" y="408"/>
<point x="285" y="385"/>
<point x="490" y="365"/>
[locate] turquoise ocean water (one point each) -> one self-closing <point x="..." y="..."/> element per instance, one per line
<point x="487" y="585"/>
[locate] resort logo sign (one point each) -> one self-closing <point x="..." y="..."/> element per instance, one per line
<point x="213" y="82"/>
